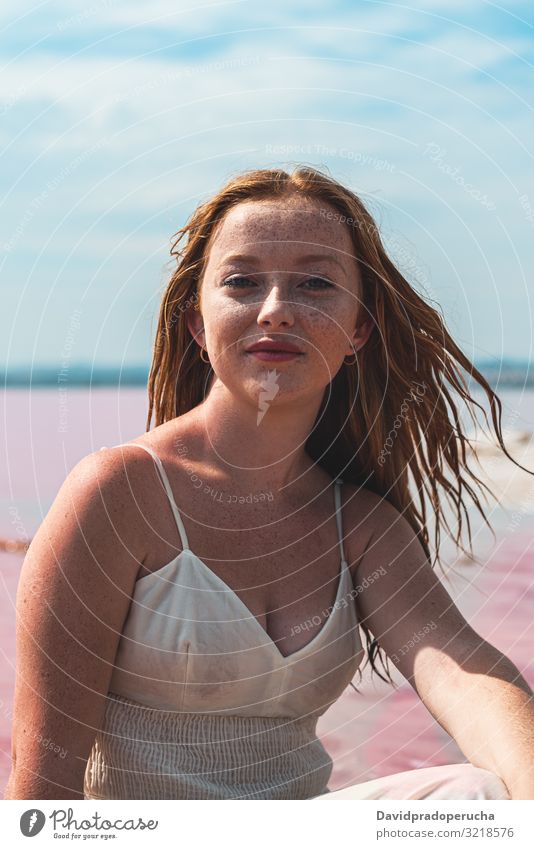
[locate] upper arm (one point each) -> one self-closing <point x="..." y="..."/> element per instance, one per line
<point x="406" y="606"/>
<point x="73" y="596"/>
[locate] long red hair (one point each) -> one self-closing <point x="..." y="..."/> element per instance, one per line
<point x="410" y="360"/>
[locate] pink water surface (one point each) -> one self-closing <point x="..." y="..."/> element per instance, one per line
<point x="371" y="734"/>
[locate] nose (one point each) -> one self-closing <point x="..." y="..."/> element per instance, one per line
<point x="275" y="310"/>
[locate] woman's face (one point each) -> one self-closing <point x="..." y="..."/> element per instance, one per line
<point x="281" y="270"/>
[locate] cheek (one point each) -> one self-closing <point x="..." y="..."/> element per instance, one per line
<point x="323" y="330"/>
<point x="225" y="324"/>
<point x="329" y="333"/>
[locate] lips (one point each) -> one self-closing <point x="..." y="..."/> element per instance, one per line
<point x="272" y="346"/>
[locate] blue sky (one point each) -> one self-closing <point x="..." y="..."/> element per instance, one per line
<point x="119" y="118"/>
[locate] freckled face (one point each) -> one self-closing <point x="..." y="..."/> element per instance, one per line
<point x="280" y="269"/>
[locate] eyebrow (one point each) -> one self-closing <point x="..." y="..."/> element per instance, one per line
<point x="254" y="260"/>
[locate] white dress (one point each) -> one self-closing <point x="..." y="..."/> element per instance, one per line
<point x="203" y="705"/>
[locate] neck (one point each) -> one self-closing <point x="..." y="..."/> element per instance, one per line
<point x="261" y="446"/>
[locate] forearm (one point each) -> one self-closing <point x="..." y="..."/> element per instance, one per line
<point x="17" y="789"/>
<point x="27" y="784"/>
<point x="493" y="719"/>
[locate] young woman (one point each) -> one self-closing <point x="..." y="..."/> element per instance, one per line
<point x="192" y="602"/>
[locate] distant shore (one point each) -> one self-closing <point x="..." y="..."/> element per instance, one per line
<point x="498" y="373"/>
<point x="11" y="545"/>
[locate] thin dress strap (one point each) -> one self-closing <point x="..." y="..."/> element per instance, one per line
<point x="168" y="490"/>
<point x="338" y="482"/>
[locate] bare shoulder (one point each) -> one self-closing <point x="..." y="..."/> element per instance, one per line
<point x="73" y="596"/>
<point x="107" y="506"/>
<point x="112" y="476"/>
<point x="370" y="519"/>
<point x="92" y="517"/>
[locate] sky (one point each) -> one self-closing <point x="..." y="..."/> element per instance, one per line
<point x="119" y="118"/>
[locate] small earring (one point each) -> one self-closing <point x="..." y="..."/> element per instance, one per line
<point x="201" y="357"/>
<point x="353" y="361"/>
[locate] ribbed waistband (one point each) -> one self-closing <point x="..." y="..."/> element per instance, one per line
<point x="194" y="728"/>
<point x="147" y="753"/>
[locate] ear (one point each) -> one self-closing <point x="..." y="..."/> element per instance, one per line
<point x="195" y="324"/>
<point x="361" y="335"/>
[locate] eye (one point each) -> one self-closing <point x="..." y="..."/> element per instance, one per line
<point x="234" y="281"/>
<point x="326" y="283"/>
